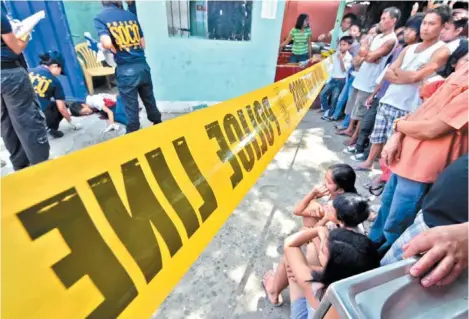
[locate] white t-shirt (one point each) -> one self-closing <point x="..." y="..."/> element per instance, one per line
<point x="97" y="101"/>
<point x="337" y="69"/>
<point x="453" y="45"/>
<point x="365" y="79"/>
<point x="340" y="35"/>
<point x="406" y="97"/>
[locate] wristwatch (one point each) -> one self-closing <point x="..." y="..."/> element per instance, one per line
<point x="394" y="124"/>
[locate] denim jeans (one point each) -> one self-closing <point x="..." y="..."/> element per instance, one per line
<point x="331" y="90"/>
<point x="400" y="203"/>
<point x="23" y="124"/>
<point x="343" y="97"/>
<point x="134" y="80"/>
<point x="299" y="58"/>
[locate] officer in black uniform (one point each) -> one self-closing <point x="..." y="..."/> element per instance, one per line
<point x="23" y="124"/>
<point x="120" y="32"/>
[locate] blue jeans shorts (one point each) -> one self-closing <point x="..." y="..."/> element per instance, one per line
<point x="300" y="309"/>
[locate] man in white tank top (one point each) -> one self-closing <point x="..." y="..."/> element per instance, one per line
<point x="416" y="63"/>
<point x="373" y="64"/>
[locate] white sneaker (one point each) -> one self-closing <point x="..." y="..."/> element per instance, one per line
<point x="350" y="150"/>
<point x="358" y="157"/>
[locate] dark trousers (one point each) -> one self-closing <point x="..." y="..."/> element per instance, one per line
<point x="23" y="126"/>
<point x="53" y="116"/>
<point x="134" y="80"/>
<point x="331" y="92"/>
<point x="366" y="128"/>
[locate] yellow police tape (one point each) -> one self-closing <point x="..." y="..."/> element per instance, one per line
<point x="108" y="231"/>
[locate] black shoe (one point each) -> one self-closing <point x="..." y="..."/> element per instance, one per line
<point x="55" y="133"/>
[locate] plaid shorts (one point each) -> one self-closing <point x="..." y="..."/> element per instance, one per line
<point x="383" y="124"/>
<point x="395" y="252"/>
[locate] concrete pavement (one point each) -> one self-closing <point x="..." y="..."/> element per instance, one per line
<point x="225" y="282"/>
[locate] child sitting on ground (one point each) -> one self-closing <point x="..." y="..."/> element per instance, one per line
<point x="339" y="178"/>
<point x="348" y="254"/>
<point x="348" y="211"/>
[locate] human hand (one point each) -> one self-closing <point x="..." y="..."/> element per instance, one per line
<point x="76" y="127"/>
<point x="111" y="127"/>
<point x="322" y="37"/>
<point x="315" y="210"/>
<point x="431" y="4"/>
<point x="320" y="191"/>
<point x="392" y="150"/>
<point x="369" y="101"/>
<point x="446" y="249"/>
<point x="415" y="9"/>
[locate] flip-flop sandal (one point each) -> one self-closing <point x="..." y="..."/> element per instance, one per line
<point x="377" y="190"/>
<point x="342" y="133"/>
<point x="339" y="127"/>
<point x="280" y="298"/>
<point x="349" y="143"/>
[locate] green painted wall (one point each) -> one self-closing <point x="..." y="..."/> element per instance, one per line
<point x="80" y="15"/>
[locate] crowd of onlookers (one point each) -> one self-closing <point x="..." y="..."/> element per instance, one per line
<point x="404" y="96"/>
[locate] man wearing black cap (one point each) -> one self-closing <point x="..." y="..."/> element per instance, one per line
<point x="50" y="92"/>
<point x="22" y="122"/>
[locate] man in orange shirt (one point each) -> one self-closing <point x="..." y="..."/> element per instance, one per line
<point x="424" y="143"/>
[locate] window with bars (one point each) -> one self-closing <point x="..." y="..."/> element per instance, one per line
<point x="218" y="20"/>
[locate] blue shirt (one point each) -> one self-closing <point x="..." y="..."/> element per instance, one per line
<point x="46" y="86"/>
<point x="125" y="32"/>
<point x="7" y="54"/>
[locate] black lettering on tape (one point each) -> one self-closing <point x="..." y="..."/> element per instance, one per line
<point x="314" y="78"/>
<point x="291" y="87"/>
<point x="261" y="118"/>
<point x="317" y="75"/>
<point x="257" y="129"/>
<point x="270" y="114"/>
<point x="309" y="83"/>
<point x="224" y="153"/>
<point x="172" y="191"/>
<point x="89" y="254"/>
<point x="246" y="154"/>
<point x="134" y="228"/>
<point x="247" y="132"/>
<point x="196" y="177"/>
<point x="304" y="93"/>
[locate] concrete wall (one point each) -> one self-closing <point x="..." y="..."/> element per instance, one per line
<point x="80" y="15"/>
<point x="194" y="69"/>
